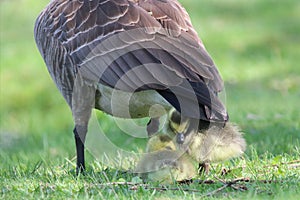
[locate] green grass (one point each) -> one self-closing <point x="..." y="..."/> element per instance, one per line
<point x="254" y="43"/>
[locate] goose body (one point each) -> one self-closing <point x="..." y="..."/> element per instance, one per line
<point x="100" y="53"/>
<point x="131" y="105"/>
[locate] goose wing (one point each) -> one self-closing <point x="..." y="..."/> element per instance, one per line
<point x="132" y="45"/>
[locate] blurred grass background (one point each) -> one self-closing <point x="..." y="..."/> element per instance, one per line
<point x="255" y="44"/>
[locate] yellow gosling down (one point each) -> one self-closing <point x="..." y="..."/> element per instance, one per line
<point x="160" y="142"/>
<point x="217" y="144"/>
<point x="214" y="144"/>
<point x="163" y="163"/>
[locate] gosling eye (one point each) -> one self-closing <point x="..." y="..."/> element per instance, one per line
<point x="180" y="138"/>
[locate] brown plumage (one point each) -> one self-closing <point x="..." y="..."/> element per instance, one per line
<point x="90" y="46"/>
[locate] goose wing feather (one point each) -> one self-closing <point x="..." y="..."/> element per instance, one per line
<point x="129" y="45"/>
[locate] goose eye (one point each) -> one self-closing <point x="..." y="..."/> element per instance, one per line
<point x="180" y="138"/>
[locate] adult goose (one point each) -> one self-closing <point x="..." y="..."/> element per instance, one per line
<point x="123" y="56"/>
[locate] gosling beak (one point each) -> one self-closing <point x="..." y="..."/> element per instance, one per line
<point x="180" y="138"/>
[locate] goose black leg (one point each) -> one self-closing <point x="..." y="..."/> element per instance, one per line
<point x="83" y="101"/>
<point x="79" y="134"/>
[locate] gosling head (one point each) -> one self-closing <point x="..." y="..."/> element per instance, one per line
<point x="182" y="127"/>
